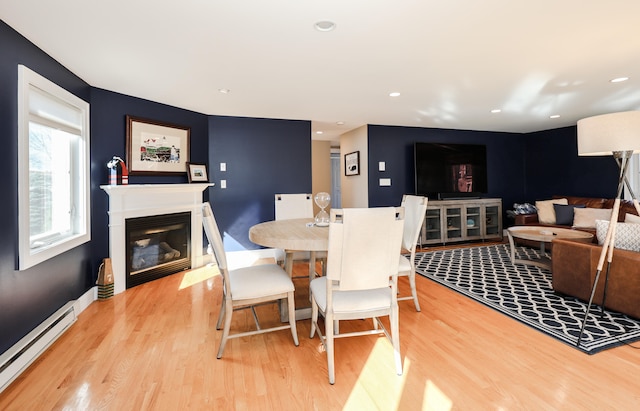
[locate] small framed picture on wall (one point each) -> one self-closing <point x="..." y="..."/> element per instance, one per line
<point x="352" y="164"/>
<point x="197" y="173"/>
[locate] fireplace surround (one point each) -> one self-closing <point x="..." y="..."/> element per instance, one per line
<point x="142" y="200"/>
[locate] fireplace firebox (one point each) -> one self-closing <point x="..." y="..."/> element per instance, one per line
<point x="157" y="246"/>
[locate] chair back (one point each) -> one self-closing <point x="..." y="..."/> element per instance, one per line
<point x="415" y="209"/>
<point x="290" y="206"/>
<point x="364" y="244"/>
<point x="213" y="235"/>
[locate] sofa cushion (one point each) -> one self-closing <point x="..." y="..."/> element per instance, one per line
<point x="631" y="218"/>
<point x="627" y="235"/>
<point x="564" y="213"/>
<point x="586" y="217"/>
<point x="546" y="214"/>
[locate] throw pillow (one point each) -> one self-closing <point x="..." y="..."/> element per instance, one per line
<point x="564" y="213"/>
<point x="631" y="218"/>
<point x="627" y="235"/>
<point x="546" y="214"/>
<point x="586" y="217"/>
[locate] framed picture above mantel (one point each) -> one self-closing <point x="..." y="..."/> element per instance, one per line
<point x="155" y="147"/>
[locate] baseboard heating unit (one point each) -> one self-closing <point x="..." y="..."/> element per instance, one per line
<point x="17" y="358"/>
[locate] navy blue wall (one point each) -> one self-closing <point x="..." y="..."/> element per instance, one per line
<point x="263" y="157"/>
<point x="394" y="145"/>
<point x="28" y="297"/>
<point x="553" y="167"/>
<point x="521" y="167"/>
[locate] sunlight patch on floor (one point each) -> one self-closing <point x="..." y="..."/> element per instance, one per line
<point x="435" y="399"/>
<point x="378" y="387"/>
<point x="198" y="275"/>
<point x="239" y="259"/>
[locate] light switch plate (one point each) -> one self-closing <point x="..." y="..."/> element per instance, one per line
<point x="385" y="182"/>
<point x="223" y="183"/>
<point x="381" y="166"/>
<point x="223" y="166"/>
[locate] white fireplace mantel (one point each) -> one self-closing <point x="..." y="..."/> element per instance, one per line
<point x="142" y="200"/>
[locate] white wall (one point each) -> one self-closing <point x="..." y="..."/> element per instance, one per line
<point x="320" y="169"/>
<point x="355" y="189"/>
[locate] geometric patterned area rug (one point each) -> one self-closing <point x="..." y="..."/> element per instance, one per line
<point x="524" y="292"/>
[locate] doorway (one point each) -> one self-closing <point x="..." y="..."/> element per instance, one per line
<point x="336" y="192"/>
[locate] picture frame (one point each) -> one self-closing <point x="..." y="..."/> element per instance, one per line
<point x="197" y="173"/>
<point x="156" y="148"/>
<point x="352" y="164"/>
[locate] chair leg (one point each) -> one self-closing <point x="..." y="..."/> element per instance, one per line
<point x="292" y="317"/>
<point x="255" y="317"/>
<point x="328" y="325"/>
<point x="227" y="326"/>
<point x="220" y="314"/>
<point x="414" y="292"/>
<point x="395" y="338"/>
<point x="314" y="316"/>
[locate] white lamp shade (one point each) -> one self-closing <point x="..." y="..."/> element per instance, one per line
<point x="604" y="134"/>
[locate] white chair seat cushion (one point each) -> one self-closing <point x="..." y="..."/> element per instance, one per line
<point x="351" y="301"/>
<point x="259" y="281"/>
<point x="404" y="266"/>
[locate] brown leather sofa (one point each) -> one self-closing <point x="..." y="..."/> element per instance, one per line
<point x="626" y="206"/>
<point x="574" y="267"/>
<point x="574" y="264"/>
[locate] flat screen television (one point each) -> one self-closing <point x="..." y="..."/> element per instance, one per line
<point x="446" y="170"/>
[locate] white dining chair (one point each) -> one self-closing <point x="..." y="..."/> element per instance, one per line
<point x="292" y="206"/>
<point x="361" y="279"/>
<point x="415" y="209"/>
<point x="247" y="287"/>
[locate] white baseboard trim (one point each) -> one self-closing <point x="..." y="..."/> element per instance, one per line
<point x="86" y="299"/>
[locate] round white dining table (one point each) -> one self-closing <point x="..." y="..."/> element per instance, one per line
<point x="296" y="234"/>
<point x="292" y="235"/>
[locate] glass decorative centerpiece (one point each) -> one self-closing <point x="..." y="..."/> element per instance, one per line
<point x="322" y="200"/>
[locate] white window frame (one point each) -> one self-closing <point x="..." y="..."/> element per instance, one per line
<point x="80" y="216"/>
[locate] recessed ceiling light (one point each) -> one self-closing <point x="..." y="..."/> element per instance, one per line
<point x="619" y="79"/>
<point x="324" y="25"/>
<point x="319" y="132"/>
<point x="340" y="123"/>
<point x="496" y="110"/>
<point x="554" y="116"/>
<point x="394" y="94"/>
<point x="224" y="90"/>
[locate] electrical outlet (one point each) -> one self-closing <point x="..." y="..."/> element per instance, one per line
<point x="223" y="183"/>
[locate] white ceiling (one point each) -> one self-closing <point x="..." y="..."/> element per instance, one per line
<point x="453" y="61"/>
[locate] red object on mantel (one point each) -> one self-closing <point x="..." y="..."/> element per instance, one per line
<point x="118" y="173"/>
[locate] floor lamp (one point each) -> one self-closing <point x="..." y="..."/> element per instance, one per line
<point x="616" y="134"/>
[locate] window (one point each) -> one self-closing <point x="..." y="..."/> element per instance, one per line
<point x="53" y="169"/>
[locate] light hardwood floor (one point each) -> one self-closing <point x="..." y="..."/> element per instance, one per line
<point x="153" y="347"/>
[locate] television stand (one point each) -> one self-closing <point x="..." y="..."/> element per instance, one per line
<point x="456" y="220"/>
